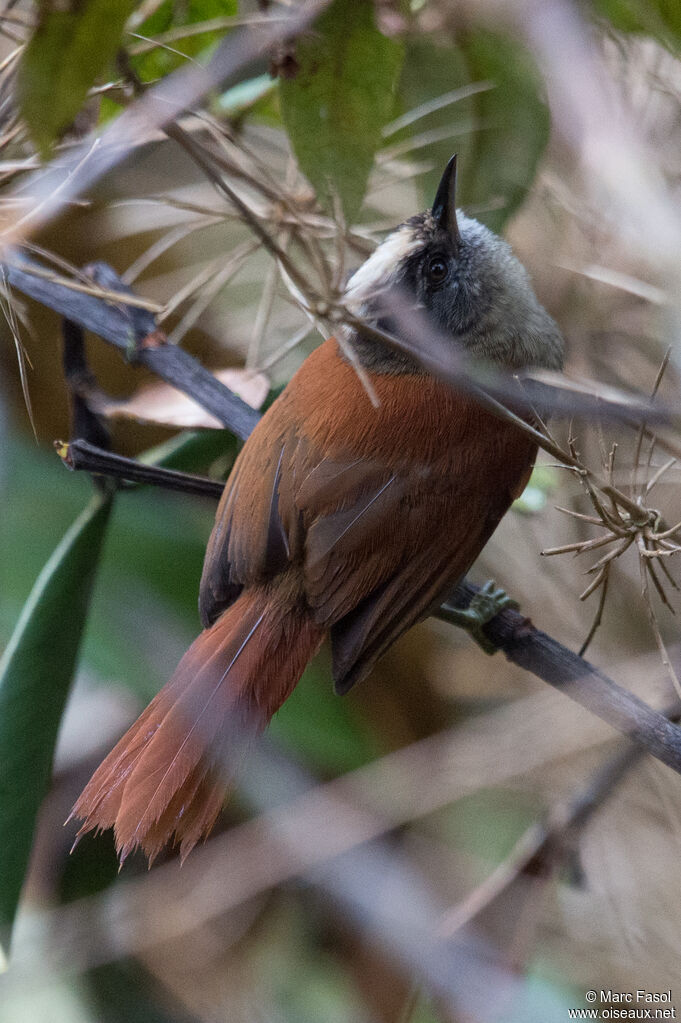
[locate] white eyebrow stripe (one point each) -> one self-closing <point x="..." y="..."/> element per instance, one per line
<point x="380" y="267"/>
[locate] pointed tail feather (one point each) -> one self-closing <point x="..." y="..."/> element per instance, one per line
<point x="168" y="776"/>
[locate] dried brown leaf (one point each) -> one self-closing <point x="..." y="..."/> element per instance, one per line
<point x="162" y="405"/>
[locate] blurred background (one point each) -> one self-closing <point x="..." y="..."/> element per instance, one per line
<point x="566" y="119"/>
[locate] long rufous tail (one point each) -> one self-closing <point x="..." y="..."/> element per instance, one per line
<point x="168" y="776"/>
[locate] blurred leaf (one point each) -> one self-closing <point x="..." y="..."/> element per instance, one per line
<point x="37" y="506"/>
<point x="658" y="18"/>
<point x="92" y="866"/>
<point x="246" y="96"/>
<point x="429" y="72"/>
<point x="337" y="104"/>
<point x="70" y="48"/>
<point x="35" y="674"/>
<point x="125" y="991"/>
<point x="499" y="133"/>
<point x="146" y="610"/>
<point x="322" y="727"/>
<point x="193" y="451"/>
<point x="543" y="481"/>
<point x="514" y="125"/>
<point x="151" y="567"/>
<point x="303" y="975"/>
<point x="255" y="100"/>
<point x="486" y="825"/>
<point x="170" y="15"/>
<point x="161" y="404"/>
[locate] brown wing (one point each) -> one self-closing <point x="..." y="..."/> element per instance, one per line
<point x="360" y="638"/>
<point x="366" y="632"/>
<point x="375" y="512"/>
<point x="368" y="541"/>
<point x="248" y="543"/>
<point x="286" y="504"/>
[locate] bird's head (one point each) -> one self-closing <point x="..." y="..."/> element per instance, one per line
<point x="466" y="280"/>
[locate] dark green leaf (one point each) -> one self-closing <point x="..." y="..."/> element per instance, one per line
<point x="337" y="104"/>
<point x="154" y="551"/>
<point x="499" y="133"/>
<point x="194" y="451"/>
<point x="126" y="991"/>
<point x="35" y="675"/>
<point x="69" y="49"/>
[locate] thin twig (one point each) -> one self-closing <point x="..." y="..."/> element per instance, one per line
<point x="80" y="455"/>
<point x="550" y="841"/>
<point x="643" y="427"/>
<point x="598" y="617"/>
<point x="645" y="591"/>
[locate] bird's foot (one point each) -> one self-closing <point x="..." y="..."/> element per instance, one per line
<point x="484" y="606"/>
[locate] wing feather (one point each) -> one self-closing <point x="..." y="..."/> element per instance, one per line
<point x="373" y="512"/>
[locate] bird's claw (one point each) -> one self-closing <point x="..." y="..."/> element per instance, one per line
<point x="485" y="605"/>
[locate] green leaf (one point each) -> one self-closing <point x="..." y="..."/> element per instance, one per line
<point x="70" y="48"/>
<point x="499" y="133"/>
<point x="169" y="16"/>
<point x="337" y="104"/>
<point x="193" y="451"/>
<point x="514" y="125"/>
<point x="658" y="18"/>
<point x="35" y="675"/>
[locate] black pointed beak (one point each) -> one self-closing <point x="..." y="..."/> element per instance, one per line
<point x="444" y="207"/>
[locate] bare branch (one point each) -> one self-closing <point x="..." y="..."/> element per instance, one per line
<point x="550" y="661"/>
<point x="134" y="332"/>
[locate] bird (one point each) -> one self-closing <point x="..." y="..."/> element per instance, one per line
<point x="344" y="519"/>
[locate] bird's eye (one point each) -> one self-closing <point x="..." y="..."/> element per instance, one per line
<point x="437" y="270"/>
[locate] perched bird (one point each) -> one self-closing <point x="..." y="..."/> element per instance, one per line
<point x="341" y="519"/>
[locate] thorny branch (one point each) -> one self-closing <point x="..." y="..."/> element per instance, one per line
<point x="549" y="660"/>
